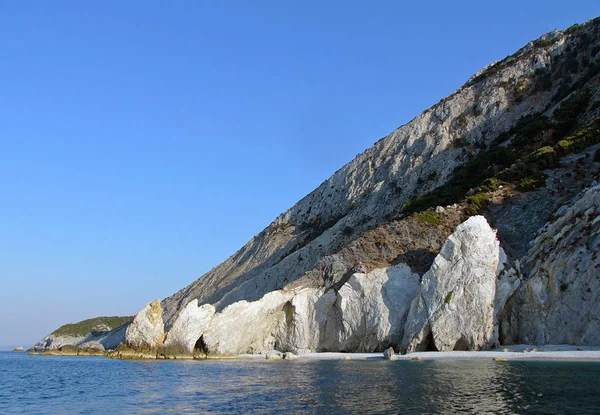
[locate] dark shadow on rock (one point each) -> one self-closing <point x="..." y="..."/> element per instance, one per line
<point x="398" y="304"/>
<point x="419" y="260"/>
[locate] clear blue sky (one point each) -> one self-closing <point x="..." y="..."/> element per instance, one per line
<point x="142" y="143"/>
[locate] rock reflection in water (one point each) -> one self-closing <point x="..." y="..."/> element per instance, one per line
<point x="358" y="387"/>
<point x="97" y="386"/>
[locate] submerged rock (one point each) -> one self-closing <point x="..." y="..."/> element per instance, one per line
<point x="91" y="352"/>
<point x="126" y="352"/>
<point x="454" y="309"/>
<point x="68" y="350"/>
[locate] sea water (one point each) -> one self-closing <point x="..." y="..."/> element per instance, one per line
<point x="96" y="385"/>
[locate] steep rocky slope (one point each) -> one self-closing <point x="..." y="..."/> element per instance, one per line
<point x="377" y="256"/>
<point x="414" y="159"/>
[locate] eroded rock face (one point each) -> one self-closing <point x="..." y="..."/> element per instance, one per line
<point x="189" y="326"/>
<point x="369" y="310"/>
<point x="307" y="320"/>
<point x="366" y="314"/>
<point x="92" y="345"/>
<point x="147" y="329"/>
<point x="249" y="327"/>
<point x="454" y="308"/>
<point x="560" y="302"/>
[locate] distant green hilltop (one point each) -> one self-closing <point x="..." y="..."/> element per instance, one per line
<point x="97" y="324"/>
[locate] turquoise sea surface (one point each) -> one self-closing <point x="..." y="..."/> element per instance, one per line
<point x="96" y="385"/>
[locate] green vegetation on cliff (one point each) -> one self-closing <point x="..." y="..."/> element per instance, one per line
<point x="542" y="139"/>
<point x="98" y="324"/>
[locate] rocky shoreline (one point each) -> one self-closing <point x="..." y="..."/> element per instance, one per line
<point x="512" y="353"/>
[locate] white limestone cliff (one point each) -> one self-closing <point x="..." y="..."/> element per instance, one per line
<point x="454" y="308"/>
<point x="366" y="314"/>
<point x="147" y="329"/>
<point x="370" y="310"/>
<point x="189" y="326"/>
<point x="248" y="327"/>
